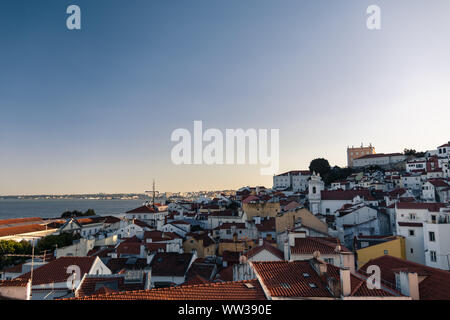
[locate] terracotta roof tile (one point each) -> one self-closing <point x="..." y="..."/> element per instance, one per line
<point x="171" y="264"/>
<point x="56" y="270"/>
<point x="92" y="284"/>
<point x="345" y="194"/>
<point x="14" y="283"/>
<point x="435" y="286"/>
<point x="308" y="245"/>
<point x="432" y="207"/>
<point x="291" y="279"/>
<point x="266" y="246"/>
<point x="10" y="222"/>
<point x="234" y="290"/>
<point x="22" y="229"/>
<point x="410" y="224"/>
<point x="143" y="209"/>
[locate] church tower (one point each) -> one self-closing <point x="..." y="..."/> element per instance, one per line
<point x="315" y="186"/>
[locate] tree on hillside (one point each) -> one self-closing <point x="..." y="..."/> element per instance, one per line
<point x="76" y="213"/>
<point x="320" y="165"/>
<point x="414" y="153"/>
<point x="52" y="242"/>
<point x="13" y="247"/>
<point x="336" y="174"/>
<point x="233" y="206"/>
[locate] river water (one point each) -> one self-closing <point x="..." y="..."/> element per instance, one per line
<point x="12" y="208"/>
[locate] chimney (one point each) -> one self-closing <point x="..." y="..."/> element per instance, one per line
<point x="414" y="286"/>
<point x="345" y="281"/>
<point x="286" y="251"/>
<point x="334" y="286"/>
<point x="293" y="236"/>
<point x="409" y="284"/>
<point x="148" y="279"/>
<point x="347" y="260"/>
<point x="322" y="268"/>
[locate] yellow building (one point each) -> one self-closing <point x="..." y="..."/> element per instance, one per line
<point x="202" y="243"/>
<point x="355" y="153"/>
<point x="261" y="209"/>
<point x="288" y="220"/>
<point x="235" y="246"/>
<point x="372" y="247"/>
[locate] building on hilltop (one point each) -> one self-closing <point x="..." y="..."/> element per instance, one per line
<point x="354" y="153"/>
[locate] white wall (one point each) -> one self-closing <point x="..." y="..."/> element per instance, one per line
<point x="17" y="293"/>
<point x="441" y="245"/>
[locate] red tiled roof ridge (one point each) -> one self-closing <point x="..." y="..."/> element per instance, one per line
<point x="185" y="291"/>
<point x="275" y="251"/>
<point x="19" y="220"/>
<point x="10" y="231"/>
<point x="412" y="263"/>
<point x="17" y="282"/>
<point x="55" y="271"/>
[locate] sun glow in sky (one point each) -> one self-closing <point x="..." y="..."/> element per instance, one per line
<point x="93" y="110"/>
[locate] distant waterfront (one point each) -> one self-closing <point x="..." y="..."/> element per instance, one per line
<point x="13" y="208"/>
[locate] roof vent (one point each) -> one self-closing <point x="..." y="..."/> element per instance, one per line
<point x="249" y="285"/>
<point x="306" y="275"/>
<point x="285" y="285"/>
<point x="312" y="285"/>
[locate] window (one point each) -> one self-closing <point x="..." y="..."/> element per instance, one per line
<point x="412" y="250"/>
<point x="329" y="260"/>
<point x="412" y="216"/>
<point x="327" y="210"/>
<point x="433" y="256"/>
<point x="386" y="251"/>
<point x="397" y="281"/>
<point x="432" y="236"/>
<point x="411" y="233"/>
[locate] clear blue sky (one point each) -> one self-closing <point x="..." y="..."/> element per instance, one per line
<point x="93" y="110"/>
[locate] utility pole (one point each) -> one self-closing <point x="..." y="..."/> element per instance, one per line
<point x="32" y="267"/>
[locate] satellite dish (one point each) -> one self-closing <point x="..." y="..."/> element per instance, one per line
<point x="316" y="254"/>
<point x="338" y="248"/>
<point x="242" y="259"/>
